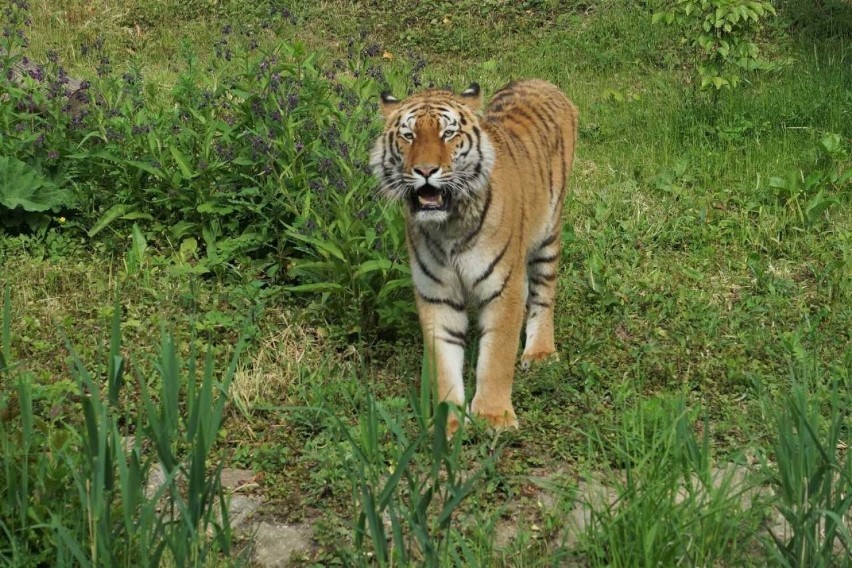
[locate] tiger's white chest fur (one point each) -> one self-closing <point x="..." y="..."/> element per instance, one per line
<point x="454" y="268"/>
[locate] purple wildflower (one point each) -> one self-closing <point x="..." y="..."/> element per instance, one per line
<point x="37" y="73"/>
<point x="372" y="50"/>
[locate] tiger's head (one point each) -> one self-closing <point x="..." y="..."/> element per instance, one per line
<point x="433" y="152"/>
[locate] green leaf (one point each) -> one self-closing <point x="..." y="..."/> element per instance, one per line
<point x="139" y="243"/>
<point x="214" y="208"/>
<point x="373" y="266"/>
<point x="23" y="186"/>
<point x="719" y="82"/>
<point x="818" y="205"/>
<point x="389" y="287"/>
<point x="188" y="248"/>
<point x="326" y="246"/>
<point x="316" y="287"/>
<point x="183" y="228"/>
<point x="111" y="215"/>
<point x="157" y="172"/>
<point x="133" y="215"/>
<point x="778" y="182"/>
<point x="182" y="163"/>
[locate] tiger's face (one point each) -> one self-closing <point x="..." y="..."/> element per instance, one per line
<point x="433" y="153"/>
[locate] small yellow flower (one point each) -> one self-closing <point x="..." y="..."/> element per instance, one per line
<point x="61" y="220"/>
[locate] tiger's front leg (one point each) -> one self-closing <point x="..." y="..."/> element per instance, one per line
<point x="500" y="320"/>
<point x="444" y="323"/>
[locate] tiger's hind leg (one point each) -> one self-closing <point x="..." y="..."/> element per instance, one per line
<point x="542" y="273"/>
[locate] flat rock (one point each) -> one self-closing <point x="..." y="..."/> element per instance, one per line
<point x="241" y="508"/>
<point x="156" y="479"/>
<point x="591" y="494"/>
<point x="233" y="478"/>
<point x="275" y="544"/>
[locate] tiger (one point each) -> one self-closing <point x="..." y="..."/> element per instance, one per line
<point x="483" y="195"/>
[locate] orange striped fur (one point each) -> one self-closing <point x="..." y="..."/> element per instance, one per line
<point x="483" y="195"/>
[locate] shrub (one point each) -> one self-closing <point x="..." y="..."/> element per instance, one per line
<point x="260" y="157"/>
<point x="722" y="34"/>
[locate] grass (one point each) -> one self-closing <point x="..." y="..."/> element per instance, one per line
<point x="700" y="267"/>
<point x="77" y="493"/>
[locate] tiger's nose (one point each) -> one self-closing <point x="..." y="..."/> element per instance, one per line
<point x="425" y="170"/>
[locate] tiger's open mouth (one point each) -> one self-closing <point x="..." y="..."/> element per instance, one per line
<point x="429" y="198"/>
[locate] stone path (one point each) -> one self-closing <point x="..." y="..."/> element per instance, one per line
<point x="274" y="545"/>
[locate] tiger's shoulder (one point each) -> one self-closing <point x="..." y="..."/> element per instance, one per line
<point x="531" y="105"/>
<point x="527" y="93"/>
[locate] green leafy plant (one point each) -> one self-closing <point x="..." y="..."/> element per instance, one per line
<point x="257" y="160"/>
<point x="670" y="504"/>
<point x="24" y="191"/>
<point x="721" y="32"/>
<point x="93" y="504"/>
<point x="812" y="475"/>
<point x="406" y="512"/>
<point x="351" y="261"/>
<point x="810" y="194"/>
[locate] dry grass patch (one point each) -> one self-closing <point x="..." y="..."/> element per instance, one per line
<point x="266" y="375"/>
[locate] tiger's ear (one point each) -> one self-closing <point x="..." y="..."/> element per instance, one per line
<point x="389" y="103"/>
<point x="472" y="96"/>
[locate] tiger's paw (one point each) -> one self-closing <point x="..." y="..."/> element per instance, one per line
<point x="500" y="421"/>
<point x="453" y="424"/>
<point x="536" y="357"/>
<point x="497" y="418"/>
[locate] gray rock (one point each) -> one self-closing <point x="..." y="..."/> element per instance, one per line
<point x="156" y="479"/>
<point x="275" y="545"/>
<point x="240" y="510"/>
<point x="233" y="478"/>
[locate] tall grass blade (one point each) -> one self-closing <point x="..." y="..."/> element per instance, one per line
<point x="812" y="483"/>
<point x="116" y="361"/>
<point x="6" y="353"/>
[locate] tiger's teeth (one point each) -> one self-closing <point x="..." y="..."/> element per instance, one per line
<point x="437" y="199"/>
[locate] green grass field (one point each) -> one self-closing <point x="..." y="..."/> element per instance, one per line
<point x="704" y="317"/>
